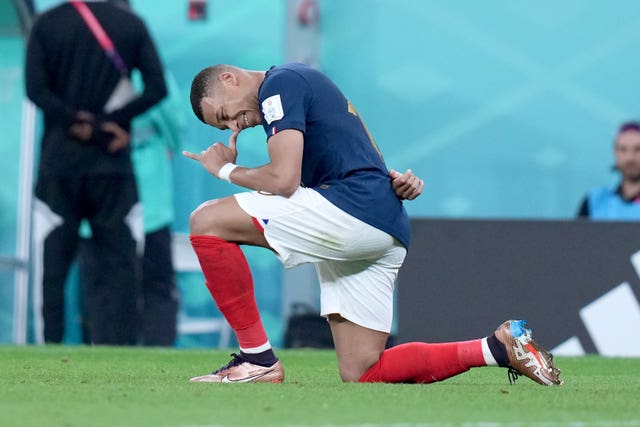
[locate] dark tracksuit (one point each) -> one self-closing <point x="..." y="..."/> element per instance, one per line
<point x="67" y="71"/>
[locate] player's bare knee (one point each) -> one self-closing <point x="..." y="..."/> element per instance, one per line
<point x="201" y="220"/>
<point x="195" y="222"/>
<point x="349" y="374"/>
<point x="347" y="378"/>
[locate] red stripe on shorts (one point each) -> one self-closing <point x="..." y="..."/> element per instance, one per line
<point x="257" y="224"/>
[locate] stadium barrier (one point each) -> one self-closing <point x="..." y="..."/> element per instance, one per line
<point x="575" y="282"/>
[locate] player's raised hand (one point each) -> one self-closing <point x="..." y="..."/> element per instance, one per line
<point x="216" y="155"/>
<point x="407" y="186"/>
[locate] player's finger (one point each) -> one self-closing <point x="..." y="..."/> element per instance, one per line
<point x="394" y="174"/>
<point x="191" y="155"/>
<point x="416" y="189"/>
<point x="408" y="182"/>
<point x="232" y="140"/>
<point x="405" y="177"/>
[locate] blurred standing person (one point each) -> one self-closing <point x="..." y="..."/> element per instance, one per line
<point x="622" y="201"/>
<point x="155" y="138"/>
<point x="78" y="59"/>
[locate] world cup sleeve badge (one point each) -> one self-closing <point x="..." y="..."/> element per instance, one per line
<point x="272" y="109"/>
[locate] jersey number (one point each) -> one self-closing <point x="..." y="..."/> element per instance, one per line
<point x="353" y="111"/>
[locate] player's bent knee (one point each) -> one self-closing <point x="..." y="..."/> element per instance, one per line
<point x="195" y="222"/>
<point x="202" y="219"/>
<point x="350" y="374"/>
<point x="348" y="378"/>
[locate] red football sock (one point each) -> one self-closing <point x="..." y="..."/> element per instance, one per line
<point x="418" y="362"/>
<point x="229" y="281"/>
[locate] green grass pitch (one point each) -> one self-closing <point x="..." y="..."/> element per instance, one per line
<point x="120" y="387"/>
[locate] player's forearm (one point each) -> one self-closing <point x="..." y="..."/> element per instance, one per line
<point x="266" y="178"/>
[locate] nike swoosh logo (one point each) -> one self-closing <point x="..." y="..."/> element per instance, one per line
<point x="226" y="378"/>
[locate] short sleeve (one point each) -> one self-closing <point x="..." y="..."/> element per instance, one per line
<point x="284" y="101"/>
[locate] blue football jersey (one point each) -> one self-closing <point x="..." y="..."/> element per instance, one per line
<point x="340" y="160"/>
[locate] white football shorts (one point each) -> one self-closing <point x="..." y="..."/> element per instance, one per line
<point x="357" y="264"/>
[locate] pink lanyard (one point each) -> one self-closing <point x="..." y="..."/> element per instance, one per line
<point x="101" y="36"/>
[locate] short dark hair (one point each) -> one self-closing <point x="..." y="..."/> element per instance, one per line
<point x="205" y="84"/>
<point x="634" y="126"/>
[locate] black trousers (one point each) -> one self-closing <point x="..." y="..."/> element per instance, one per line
<point x="108" y="203"/>
<point x="157" y="296"/>
<point x="159" y="293"/>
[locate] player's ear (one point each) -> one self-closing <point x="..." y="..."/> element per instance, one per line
<point x="228" y="78"/>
